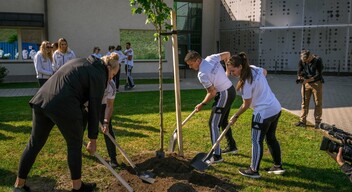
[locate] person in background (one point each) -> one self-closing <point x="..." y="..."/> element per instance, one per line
<point x="256" y="93"/>
<point x="212" y="76"/>
<point x="129" y="66"/>
<point x="62" y="55"/>
<point x="106" y="116"/>
<point x="54" y="46"/>
<point x="96" y="52"/>
<point x="1" y="53"/>
<point x="310" y="69"/>
<point x="60" y="102"/>
<point x="42" y="63"/>
<point x="111" y="49"/>
<point x="32" y="52"/>
<point x="122" y="59"/>
<point x="24" y="54"/>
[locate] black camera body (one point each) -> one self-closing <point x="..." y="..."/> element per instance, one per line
<point x="343" y="138"/>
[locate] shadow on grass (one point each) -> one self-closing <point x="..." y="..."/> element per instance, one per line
<point x="296" y="176"/>
<point x="15" y="129"/>
<point x="35" y="182"/>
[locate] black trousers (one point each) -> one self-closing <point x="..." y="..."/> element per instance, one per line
<point x="109" y="144"/>
<point x="219" y="117"/>
<point x="264" y="128"/>
<point x="43" y="122"/>
<point x="117" y="78"/>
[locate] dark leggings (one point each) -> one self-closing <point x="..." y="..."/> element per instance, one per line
<point x="43" y="122"/>
<point x="109" y="144"/>
<point x="265" y="129"/>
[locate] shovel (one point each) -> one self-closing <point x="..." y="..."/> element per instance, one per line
<point x="198" y="162"/>
<point x="118" y="177"/>
<point x="173" y="138"/>
<point x="145" y="175"/>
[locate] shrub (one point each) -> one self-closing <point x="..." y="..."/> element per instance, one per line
<point x="3" y="73"/>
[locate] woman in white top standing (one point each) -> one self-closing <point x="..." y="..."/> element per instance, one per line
<point x="256" y="93"/>
<point x="42" y="62"/>
<point x="62" y="54"/>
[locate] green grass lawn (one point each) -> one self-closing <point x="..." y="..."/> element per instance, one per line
<point x="136" y="124"/>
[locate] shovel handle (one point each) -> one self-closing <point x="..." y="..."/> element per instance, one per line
<point x="123" y="152"/>
<point x="118" y="177"/>
<point x="187" y="118"/>
<point x="219" y="139"/>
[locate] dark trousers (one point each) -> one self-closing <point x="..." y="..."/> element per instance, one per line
<point x="109" y="144"/>
<point x="43" y="122"/>
<point x="117" y="78"/>
<point x="264" y="129"/>
<point x="128" y="70"/>
<point x="41" y="82"/>
<point x="219" y="117"/>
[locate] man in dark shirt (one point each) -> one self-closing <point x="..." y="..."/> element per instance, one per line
<point x="310" y="74"/>
<point x="60" y="101"/>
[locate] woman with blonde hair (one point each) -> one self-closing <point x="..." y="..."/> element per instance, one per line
<point x="60" y="102"/>
<point x="62" y="54"/>
<point x="256" y="93"/>
<point x="42" y="63"/>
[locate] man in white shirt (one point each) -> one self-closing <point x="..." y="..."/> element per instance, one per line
<point x="212" y="76"/>
<point x="129" y="66"/>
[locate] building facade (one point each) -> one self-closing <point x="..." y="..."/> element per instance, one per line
<point x="89" y="23"/>
<point x="272" y="32"/>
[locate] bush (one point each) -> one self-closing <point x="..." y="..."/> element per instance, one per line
<point x="3" y="73"/>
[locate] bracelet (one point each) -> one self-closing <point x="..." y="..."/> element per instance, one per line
<point x="105" y="121"/>
<point x="203" y="103"/>
<point x="236" y="116"/>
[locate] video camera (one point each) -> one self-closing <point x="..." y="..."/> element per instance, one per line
<point x="344" y="141"/>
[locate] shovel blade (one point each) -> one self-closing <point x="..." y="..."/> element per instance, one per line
<point x="147" y="178"/>
<point x="198" y="162"/>
<point x="172" y="142"/>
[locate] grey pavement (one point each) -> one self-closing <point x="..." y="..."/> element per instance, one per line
<point x="337" y="101"/>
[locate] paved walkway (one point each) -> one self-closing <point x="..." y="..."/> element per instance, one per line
<point x="337" y="91"/>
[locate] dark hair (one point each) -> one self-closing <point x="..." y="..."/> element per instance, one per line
<point x="128" y="43"/>
<point x="305" y="54"/>
<point x="118" y="48"/>
<point x="111" y="47"/>
<point x="192" y="56"/>
<point x="246" y="72"/>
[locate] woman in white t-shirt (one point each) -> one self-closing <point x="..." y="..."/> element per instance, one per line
<point x="256" y="93"/>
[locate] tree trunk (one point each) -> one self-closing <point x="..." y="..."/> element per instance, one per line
<point x="161" y="91"/>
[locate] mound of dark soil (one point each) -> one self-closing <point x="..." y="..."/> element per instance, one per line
<point x="172" y="174"/>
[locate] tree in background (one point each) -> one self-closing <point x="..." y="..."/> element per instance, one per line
<point x="158" y="14"/>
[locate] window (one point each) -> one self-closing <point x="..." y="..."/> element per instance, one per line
<point x="142" y="43"/>
<point x="11" y="40"/>
<point x="189" y="26"/>
<point x="20" y="31"/>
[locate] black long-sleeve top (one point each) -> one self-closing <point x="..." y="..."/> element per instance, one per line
<point x="75" y="83"/>
<point x="313" y="69"/>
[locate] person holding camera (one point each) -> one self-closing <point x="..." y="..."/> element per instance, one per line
<point x="345" y="167"/>
<point x="310" y="75"/>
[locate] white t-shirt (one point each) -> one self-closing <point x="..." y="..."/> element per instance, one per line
<point x="263" y="99"/>
<point x="24" y="54"/>
<point x="211" y="72"/>
<point x="110" y="92"/>
<point x="129" y="52"/>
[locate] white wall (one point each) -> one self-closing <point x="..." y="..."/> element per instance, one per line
<point x="85" y="26"/>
